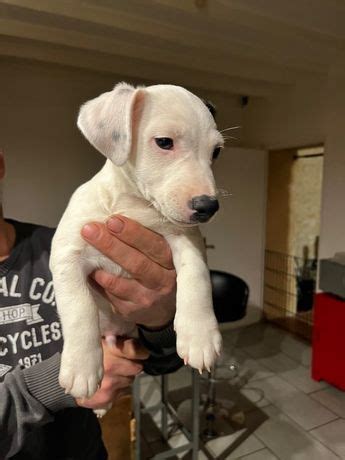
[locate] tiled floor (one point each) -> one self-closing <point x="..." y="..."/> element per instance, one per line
<point x="287" y="415"/>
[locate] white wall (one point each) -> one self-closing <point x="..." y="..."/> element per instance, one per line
<point x="312" y="113"/>
<point x="238" y="231"/>
<point x="333" y="200"/>
<point x="293" y="119"/>
<point x="46" y="156"/>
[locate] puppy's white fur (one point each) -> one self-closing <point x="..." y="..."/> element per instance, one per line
<point x="152" y="186"/>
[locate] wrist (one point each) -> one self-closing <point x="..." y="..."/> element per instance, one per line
<point x="156" y="327"/>
<point x="158" y="341"/>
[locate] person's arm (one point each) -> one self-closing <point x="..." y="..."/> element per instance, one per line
<point x="28" y="400"/>
<point x="30" y="397"/>
<point x="148" y="298"/>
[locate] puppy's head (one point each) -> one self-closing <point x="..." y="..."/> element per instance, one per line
<point x="169" y="138"/>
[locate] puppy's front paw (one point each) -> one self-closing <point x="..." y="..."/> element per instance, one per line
<point x="79" y="375"/>
<point x="198" y="342"/>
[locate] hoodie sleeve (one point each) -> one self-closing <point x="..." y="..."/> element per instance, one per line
<point x="161" y="344"/>
<point x="28" y="400"/>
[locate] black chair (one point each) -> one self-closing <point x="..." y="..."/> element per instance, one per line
<point x="230" y="297"/>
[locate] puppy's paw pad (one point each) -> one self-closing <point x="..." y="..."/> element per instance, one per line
<point x="201" y="348"/>
<point x="80" y="385"/>
<point x="81" y="379"/>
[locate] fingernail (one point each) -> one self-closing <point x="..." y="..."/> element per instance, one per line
<point x="90" y="231"/>
<point x="115" y="224"/>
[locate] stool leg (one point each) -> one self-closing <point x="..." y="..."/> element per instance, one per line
<point x="164" y="411"/>
<point x="210" y="404"/>
<point x="195" y="414"/>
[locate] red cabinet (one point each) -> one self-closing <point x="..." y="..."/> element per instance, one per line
<point x="328" y="359"/>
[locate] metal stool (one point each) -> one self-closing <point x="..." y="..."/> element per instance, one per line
<point x="166" y="408"/>
<point x="230" y="296"/>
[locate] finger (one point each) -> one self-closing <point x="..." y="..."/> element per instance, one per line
<point x="123" y="393"/>
<point x="123" y="288"/>
<point x="129" y="349"/>
<point x="143" y="239"/>
<point x="108" y="392"/>
<point x="129" y="311"/>
<point x="116" y="288"/>
<point x="130" y="259"/>
<point x="122" y="367"/>
<point x="103" y="400"/>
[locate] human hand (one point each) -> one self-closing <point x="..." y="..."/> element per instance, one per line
<point x="149" y="297"/>
<point x="121" y="362"/>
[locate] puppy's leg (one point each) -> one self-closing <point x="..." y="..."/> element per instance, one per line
<point x="82" y="357"/>
<point x="198" y="337"/>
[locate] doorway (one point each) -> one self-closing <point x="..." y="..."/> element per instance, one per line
<point x="292" y="236"/>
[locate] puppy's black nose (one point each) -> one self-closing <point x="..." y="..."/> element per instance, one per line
<point x="205" y="206"/>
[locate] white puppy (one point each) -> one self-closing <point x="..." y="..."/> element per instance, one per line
<point x="159" y="142"/>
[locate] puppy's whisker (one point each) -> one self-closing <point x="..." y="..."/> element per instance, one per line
<point x="231" y="128"/>
<point x="230" y="137"/>
<point x="221" y="192"/>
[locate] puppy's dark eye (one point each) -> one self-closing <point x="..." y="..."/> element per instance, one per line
<point x="216" y="153"/>
<point x="165" y="143"/>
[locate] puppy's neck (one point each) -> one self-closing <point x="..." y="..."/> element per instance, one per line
<point x="123" y="177"/>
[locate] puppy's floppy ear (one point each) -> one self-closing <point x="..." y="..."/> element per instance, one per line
<point x="107" y="121"/>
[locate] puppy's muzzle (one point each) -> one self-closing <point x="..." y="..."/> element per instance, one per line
<point x="204" y="206"/>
